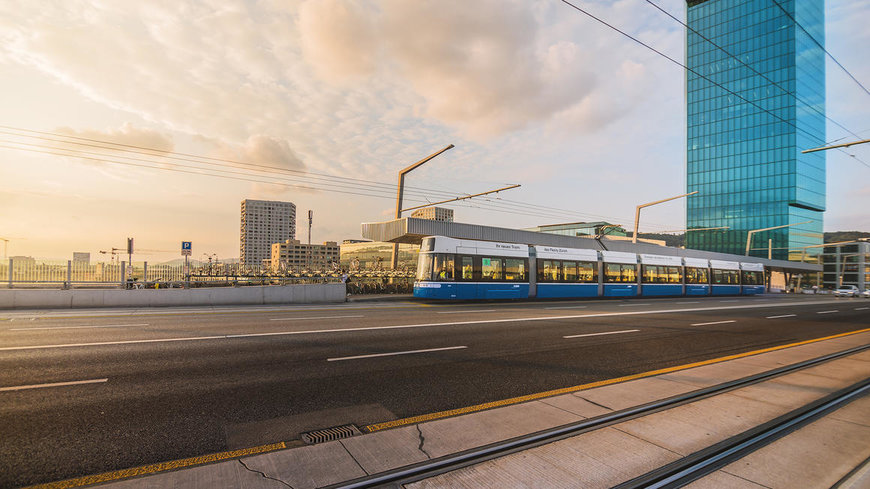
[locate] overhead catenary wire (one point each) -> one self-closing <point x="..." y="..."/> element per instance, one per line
<point x="529" y="209"/>
<point x="700" y="75"/>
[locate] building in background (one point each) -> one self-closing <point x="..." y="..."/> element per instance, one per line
<point x="79" y="257"/>
<point x="744" y="146"/>
<point x="375" y="255"/>
<point x="434" y="214"/>
<point x="581" y="229"/>
<point x="294" y="255"/>
<point x="846" y="264"/>
<point x="264" y="222"/>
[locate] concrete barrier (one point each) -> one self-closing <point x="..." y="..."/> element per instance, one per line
<point x="217" y="296"/>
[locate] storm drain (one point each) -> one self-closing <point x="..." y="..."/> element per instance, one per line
<point x="330" y="434"/>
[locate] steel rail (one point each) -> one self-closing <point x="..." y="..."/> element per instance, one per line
<point x="448" y="463"/>
<point x="703" y="462"/>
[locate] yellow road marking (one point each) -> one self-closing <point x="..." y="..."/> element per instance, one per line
<point x="566" y="390"/>
<point x="161" y="467"/>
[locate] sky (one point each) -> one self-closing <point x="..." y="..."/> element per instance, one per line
<point x="534" y="93"/>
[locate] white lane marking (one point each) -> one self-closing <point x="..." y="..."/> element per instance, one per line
<point x="425" y="325"/>
<point x="715" y="322"/>
<point x="409" y="352"/>
<point x="463" y="312"/>
<point x="633" y="305"/>
<point x="827" y="312"/>
<point x="315" y="317"/>
<point x="781" y="316"/>
<point x="599" y="334"/>
<point x="567" y="307"/>
<point x="55" y="384"/>
<point x="80" y="327"/>
<point x="760" y="300"/>
<point x="730" y="301"/>
<point x="861" y="308"/>
<point x="689" y="302"/>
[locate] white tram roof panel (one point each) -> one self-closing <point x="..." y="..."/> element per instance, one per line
<point x="673" y="261"/>
<point x="724" y="265"/>
<point x="474" y="247"/>
<point x="558" y="253"/>
<point x="697" y="262"/>
<point x="752" y="267"/>
<point x="619" y="257"/>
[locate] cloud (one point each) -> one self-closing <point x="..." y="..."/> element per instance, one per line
<point x="340" y="36"/>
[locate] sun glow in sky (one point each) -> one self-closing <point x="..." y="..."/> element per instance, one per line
<point x="533" y="93"/>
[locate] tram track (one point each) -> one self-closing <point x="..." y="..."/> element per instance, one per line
<point x="674" y="474"/>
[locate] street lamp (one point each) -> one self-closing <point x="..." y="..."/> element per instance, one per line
<point x="753" y="231"/>
<point x="637" y="212"/>
<point x="400" y="193"/>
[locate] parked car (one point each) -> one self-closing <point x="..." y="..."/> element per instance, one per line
<point x="866" y="294"/>
<point x="847" y="291"/>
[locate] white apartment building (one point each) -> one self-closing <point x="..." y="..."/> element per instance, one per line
<point x="294" y="255"/>
<point x="434" y="214"/>
<point x="264" y="222"/>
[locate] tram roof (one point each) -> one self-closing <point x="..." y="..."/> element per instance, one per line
<point x="412" y="230"/>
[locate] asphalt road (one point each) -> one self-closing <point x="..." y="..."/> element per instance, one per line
<point x="159" y="385"/>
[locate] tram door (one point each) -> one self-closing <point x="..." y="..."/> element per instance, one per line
<point x="533" y="272"/>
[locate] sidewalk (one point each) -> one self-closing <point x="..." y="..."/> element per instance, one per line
<point x="599" y="458"/>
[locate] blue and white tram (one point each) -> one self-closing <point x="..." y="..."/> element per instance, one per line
<point x="752" y="278"/>
<point x="661" y="275"/>
<point x="566" y="272"/>
<point x="697" y="273"/>
<point x="725" y="277"/>
<point x="450" y="268"/>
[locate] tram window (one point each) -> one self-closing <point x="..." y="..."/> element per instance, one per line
<point x="753" y="278"/>
<point x="548" y="271"/>
<point x="569" y="270"/>
<point x="491" y="268"/>
<point x="650" y="274"/>
<point x="726" y="277"/>
<point x="614" y="272"/>
<point x="443" y="265"/>
<point x="467" y="268"/>
<point x="515" y="269"/>
<point x="586" y="272"/>
<point x="674" y="276"/>
<point x="696" y="276"/>
<point x="424" y="267"/>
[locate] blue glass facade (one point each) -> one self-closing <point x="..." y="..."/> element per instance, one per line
<point x="744" y="156"/>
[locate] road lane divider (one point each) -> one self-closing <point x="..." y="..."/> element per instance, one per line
<point x="80" y="327"/>
<point x="463" y="312"/>
<point x="422" y="325"/>
<point x="567" y="390"/>
<point x="391" y="354"/>
<point x="53" y="384"/>
<point x="315" y="317"/>
<point x="689" y="302"/>
<point x="861" y="308"/>
<point x="601" y="334"/>
<point x="827" y="312"/>
<point x="715" y="322"/>
<point x="567" y="307"/>
<point x="781" y="316"/>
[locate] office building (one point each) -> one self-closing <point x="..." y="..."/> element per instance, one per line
<point x="80" y="257"/>
<point x="264" y="222"/>
<point x="755" y="99"/>
<point x="294" y="255"/>
<point x="434" y="214"/>
<point x="846" y="264"/>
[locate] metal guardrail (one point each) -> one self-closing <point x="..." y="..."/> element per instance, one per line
<point x="29" y="273"/>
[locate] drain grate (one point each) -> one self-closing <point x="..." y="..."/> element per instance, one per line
<point x="329" y="434"/>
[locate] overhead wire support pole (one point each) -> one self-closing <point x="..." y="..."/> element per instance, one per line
<point x="394" y="258"/>
<point x="637" y="212"/>
<point x="844" y="145"/>
<point x="462" y="198"/>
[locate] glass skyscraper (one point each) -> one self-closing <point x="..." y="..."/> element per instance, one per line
<point x="755" y="98"/>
